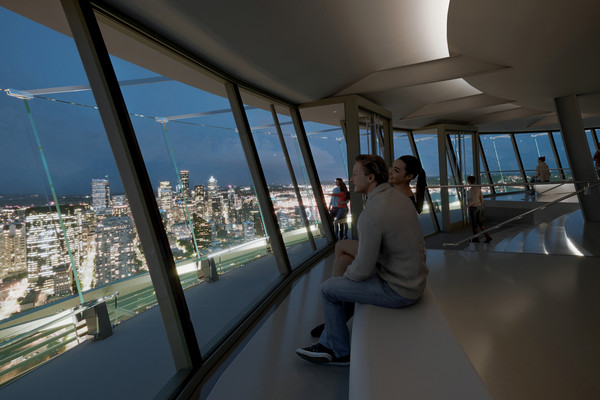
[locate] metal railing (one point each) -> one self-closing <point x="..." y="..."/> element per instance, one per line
<point x="589" y="186"/>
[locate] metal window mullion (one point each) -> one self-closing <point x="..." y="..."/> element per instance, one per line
<point x="258" y="178"/>
<point x="556" y="157"/>
<point x="311" y="171"/>
<point x="373" y="134"/>
<point x="456" y="170"/>
<point x="519" y="161"/>
<point x="136" y="182"/>
<point x="443" y="174"/>
<point x="388" y="141"/>
<point x="475" y="155"/>
<point x="485" y="164"/>
<point x="595" y="137"/>
<point x="290" y="168"/>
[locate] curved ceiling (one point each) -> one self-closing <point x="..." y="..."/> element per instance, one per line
<point x="496" y="65"/>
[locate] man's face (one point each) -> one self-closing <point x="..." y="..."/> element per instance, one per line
<point x="360" y="180"/>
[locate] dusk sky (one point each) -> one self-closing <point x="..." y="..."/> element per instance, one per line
<point x="77" y="150"/>
<point x="73" y="137"/>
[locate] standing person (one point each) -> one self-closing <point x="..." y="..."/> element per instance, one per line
<point x="475" y="206"/>
<point x="596" y="159"/>
<point x="542" y="172"/>
<point x="333" y="206"/>
<point x="389" y="268"/>
<point x="343" y="197"/>
<point x="402" y="172"/>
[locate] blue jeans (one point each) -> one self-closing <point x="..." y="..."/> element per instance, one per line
<point x="339" y="296"/>
<point x="343" y="226"/>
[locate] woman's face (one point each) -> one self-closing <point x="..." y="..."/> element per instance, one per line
<point x="397" y="173"/>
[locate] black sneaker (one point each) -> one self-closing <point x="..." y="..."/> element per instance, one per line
<point x="317" y="331"/>
<point x="317" y="353"/>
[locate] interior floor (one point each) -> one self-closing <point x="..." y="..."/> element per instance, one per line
<point x="528" y="323"/>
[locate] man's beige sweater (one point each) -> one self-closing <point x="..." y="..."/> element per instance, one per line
<point x="390" y="243"/>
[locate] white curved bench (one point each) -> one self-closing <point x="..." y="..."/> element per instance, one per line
<point x="409" y="354"/>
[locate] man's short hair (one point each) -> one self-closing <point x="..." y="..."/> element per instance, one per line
<point x="374" y="165"/>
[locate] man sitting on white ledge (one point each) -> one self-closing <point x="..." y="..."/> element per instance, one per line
<point x="389" y="269"/>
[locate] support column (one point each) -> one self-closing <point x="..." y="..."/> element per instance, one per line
<point x="445" y="198"/>
<point x="578" y="154"/>
<point x="388" y="142"/>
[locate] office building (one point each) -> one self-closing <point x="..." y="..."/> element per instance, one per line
<point x="100" y="194"/>
<point x="115" y="257"/>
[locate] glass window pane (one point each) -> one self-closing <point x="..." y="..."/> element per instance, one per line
<point x="401" y="145"/>
<point x="427" y="147"/>
<point x="562" y="154"/>
<point x="534" y="145"/>
<point x="328" y="147"/>
<point x="502" y="161"/>
<point x="278" y="177"/>
<point x="307" y="195"/>
<point x="589" y="134"/>
<point x="64" y="213"/>
<point x="196" y="163"/>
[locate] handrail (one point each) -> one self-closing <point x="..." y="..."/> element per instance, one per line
<point x="523" y="214"/>
<point x="557" y="183"/>
<point x="519" y="170"/>
<point x="59" y="316"/>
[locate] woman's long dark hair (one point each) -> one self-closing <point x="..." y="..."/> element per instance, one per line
<point x="414" y="168"/>
<point x="343" y="188"/>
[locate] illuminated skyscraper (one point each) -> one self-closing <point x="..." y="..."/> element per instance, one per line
<point x="198" y="198"/>
<point x="115" y="258"/>
<point x="13" y="255"/>
<point x="212" y="187"/>
<point x="47" y="250"/>
<point x="100" y="194"/>
<point x="248" y="231"/>
<point x="165" y="196"/>
<point x="185" y="184"/>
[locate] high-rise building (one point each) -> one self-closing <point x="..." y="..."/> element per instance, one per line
<point x="100" y="194"/>
<point x="212" y="187"/>
<point x="13" y="245"/>
<point x="198" y="198"/>
<point x="115" y="257"/>
<point x="47" y="249"/>
<point x="165" y="197"/>
<point x="248" y="231"/>
<point x="185" y="184"/>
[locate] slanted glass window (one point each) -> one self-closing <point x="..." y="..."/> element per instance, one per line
<point x="323" y="126"/>
<point x="294" y="213"/>
<point x="427" y="147"/>
<point x="203" y="187"/>
<point x="502" y="161"/>
<point x="401" y="144"/>
<point x="309" y="200"/>
<point x="67" y="237"/>
<point x="589" y="133"/>
<point x="534" y="145"/>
